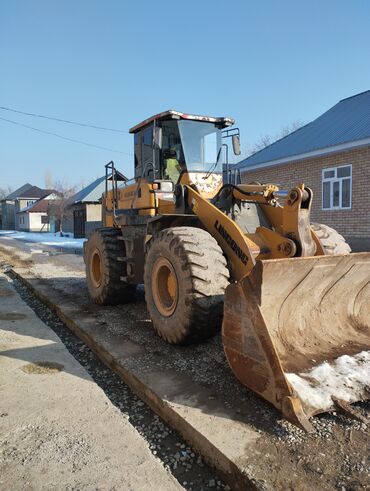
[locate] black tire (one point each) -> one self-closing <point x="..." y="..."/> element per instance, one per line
<point x="104" y="271"/>
<point x="331" y="240"/>
<point x="199" y="267"/>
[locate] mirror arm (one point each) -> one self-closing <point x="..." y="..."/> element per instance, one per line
<point x="233" y="133"/>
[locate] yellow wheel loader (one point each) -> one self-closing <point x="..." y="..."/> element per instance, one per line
<point x="294" y="301"/>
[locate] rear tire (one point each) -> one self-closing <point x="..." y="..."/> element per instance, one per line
<point x="104" y="271"/>
<point x="331" y="241"/>
<point x="185" y="279"/>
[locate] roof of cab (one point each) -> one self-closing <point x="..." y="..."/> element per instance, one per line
<point x="223" y="122"/>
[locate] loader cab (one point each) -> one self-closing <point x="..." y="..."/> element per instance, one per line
<point x="172" y="143"/>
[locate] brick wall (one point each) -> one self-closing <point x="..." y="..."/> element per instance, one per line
<point x="354" y="223"/>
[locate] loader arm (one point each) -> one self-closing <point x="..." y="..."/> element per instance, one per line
<point x="291" y="234"/>
<point x="235" y="245"/>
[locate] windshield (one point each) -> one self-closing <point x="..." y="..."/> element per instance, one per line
<point x="201" y="143"/>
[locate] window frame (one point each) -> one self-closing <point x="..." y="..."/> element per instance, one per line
<point x="331" y="180"/>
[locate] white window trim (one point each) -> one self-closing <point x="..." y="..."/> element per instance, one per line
<point x="336" y="179"/>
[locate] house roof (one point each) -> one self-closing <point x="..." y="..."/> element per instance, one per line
<point x="41" y="206"/>
<point x="93" y="192"/>
<point x="14" y="194"/>
<point x="344" y="126"/>
<point x="35" y="192"/>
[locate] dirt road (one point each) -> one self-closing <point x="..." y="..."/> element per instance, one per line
<point x="281" y="457"/>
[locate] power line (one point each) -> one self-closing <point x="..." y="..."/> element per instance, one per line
<point x="64" y="137"/>
<point x="63" y="120"/>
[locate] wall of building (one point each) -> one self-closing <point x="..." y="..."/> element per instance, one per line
<point x="68" y="224"/>
<point x="353" y="223"/>
<point x="23" y="222"/>
<point x="36" y="224"/>
<point x="32" y="222"/>
<point x="21" y="204"/>
<point x="93" y="212"/>
<point x="93" y="218"/>
<point x="8" y="215"/>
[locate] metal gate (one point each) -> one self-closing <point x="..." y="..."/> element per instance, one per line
<point x="79" y="220"/>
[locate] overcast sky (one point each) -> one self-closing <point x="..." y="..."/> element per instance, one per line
<point x="115" y="62"/>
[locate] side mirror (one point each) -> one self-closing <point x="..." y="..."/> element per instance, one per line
<point x="157" y="137"/>
<point x="236" y="144"/>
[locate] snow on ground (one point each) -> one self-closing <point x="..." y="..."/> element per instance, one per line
<point x="44" y="238"/>
<point x="347" y="378"/>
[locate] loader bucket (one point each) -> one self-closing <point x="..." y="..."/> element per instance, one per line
<point x="297" y="332"/>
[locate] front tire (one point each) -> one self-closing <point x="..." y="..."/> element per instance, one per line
<point x="185" y="279"/>
<point x="104" y="271"/>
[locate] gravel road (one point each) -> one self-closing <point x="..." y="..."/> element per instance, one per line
<point x="177" y="457"/>
<point x="335" y="457"/>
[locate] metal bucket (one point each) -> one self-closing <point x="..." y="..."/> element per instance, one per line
<point x="297" y="332"/>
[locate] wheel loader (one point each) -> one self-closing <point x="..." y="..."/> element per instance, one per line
<point x="292" y="301"/>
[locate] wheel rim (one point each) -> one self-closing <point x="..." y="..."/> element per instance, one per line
<point x="164" y="287"/>
<point x="96" y="268"/>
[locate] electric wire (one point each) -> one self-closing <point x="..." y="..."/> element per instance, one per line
<point x="64" y="137"/>
<point x="104" y="128"/>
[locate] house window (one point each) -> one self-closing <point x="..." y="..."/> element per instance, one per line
<point x="337" y="188"/>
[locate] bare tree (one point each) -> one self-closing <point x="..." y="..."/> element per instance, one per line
<point x="5" y="191"/>
<point x="266" y="139"/>
<point x="263" y="142"/>
<point x="59" y="208"/>
<point x="48" y="179"/>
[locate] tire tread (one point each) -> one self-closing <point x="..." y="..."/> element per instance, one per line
<point x="331" y="240"/>
<point x="205" y="277"/>
<point x="113" y="291"/>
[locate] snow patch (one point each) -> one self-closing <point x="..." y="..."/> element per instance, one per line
<point x="45" y="238"/>
<point x="346" y="378"/>
<point x="36" y="251"/>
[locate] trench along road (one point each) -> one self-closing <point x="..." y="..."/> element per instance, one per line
<point x="193" y="389"/>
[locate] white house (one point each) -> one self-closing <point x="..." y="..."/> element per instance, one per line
<point x="35" y="217"/>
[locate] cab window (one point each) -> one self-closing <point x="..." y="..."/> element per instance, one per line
<point x="172" y="155"/>
<point x="137" y="150"/>
<point x="147" y="152"/>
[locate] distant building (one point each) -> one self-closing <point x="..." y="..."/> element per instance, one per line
<point x="21" y="200"/>
<point x="332" y="156"/>
<point x="26" y="199"/>
<point x="87" y="209"/>
<point x="35" y="218"/>
<point x="8" y="208"/>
